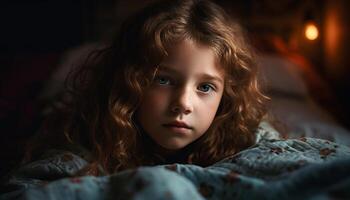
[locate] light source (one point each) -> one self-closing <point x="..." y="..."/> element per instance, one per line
<point x="311" y="31"/>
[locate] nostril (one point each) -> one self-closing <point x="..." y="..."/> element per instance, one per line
<point x="182" y="102"/>
<point x="176" y="109"/>
<point x="180" y="110"/>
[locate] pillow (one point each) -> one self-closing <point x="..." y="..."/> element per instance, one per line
<point x="278" y="75"/>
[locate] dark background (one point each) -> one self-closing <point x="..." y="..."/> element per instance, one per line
<point x="35" y="35"/>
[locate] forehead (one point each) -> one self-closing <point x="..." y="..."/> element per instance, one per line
<point x="190" y="56"/>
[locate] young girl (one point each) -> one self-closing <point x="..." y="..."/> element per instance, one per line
<point x="178" y="85"/>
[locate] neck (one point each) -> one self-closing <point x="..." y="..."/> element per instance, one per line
<point x="167" y="156"/>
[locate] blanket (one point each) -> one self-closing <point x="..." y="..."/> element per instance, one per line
<point x="305" y="168"/>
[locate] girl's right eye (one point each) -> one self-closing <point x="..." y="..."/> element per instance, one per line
<point x="162" y="80"/>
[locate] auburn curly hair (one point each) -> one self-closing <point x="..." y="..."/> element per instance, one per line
<point x="105" y="92"/>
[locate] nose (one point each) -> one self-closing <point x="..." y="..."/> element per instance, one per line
<point x="182" y="101"/>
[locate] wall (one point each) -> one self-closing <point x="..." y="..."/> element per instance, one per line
<point x="337" y="51"/>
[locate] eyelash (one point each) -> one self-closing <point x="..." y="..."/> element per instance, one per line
<point x="158" y="78"/>
<point x="211" y="87"/>
<point x="170" y="82"/>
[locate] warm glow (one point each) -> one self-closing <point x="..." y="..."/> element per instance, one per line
<point x="311" y="31"/>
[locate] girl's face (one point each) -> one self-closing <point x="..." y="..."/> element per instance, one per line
<point x="181" y="104"/>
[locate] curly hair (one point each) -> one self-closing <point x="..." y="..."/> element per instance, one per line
<point x="106" y="91"/>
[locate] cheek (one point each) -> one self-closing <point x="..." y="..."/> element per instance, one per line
<point x="154" y="102"/>
<point x="207" y="112"/>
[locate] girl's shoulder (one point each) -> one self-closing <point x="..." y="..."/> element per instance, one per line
<point x="266" y="131"/>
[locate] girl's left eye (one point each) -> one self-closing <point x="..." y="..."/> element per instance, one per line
<point x="206" y="88"/>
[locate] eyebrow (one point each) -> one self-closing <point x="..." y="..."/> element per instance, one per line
<point x="204" y="76"/>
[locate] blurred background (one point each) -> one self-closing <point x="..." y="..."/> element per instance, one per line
<point x="41" y="40"/>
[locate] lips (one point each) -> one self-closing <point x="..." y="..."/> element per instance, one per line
<point x="177" y="124"/>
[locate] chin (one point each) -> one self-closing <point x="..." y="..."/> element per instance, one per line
<point x="173" y="146"/>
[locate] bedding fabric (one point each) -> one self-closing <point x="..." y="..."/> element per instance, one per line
<point x="305" y="168"/>
<point x="304" y="118"/>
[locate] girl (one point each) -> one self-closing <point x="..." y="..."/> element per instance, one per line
<point x="178" y="85"/>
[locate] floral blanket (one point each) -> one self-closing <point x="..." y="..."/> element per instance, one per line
<point x="305" y="168"/>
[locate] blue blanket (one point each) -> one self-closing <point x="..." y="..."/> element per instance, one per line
<point x="305" y="168"/>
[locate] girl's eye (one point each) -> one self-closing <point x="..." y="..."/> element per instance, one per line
<point x="206" y="88"/>
<point x="161" y="80"/>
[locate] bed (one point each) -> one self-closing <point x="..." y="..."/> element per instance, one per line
<point x="301" y="152"/>
<point x="294" y="112"/>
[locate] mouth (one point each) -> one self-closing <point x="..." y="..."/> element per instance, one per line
<point x="177" y="124"/>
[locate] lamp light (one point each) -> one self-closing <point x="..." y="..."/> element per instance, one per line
<point x="311" y="30"/>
